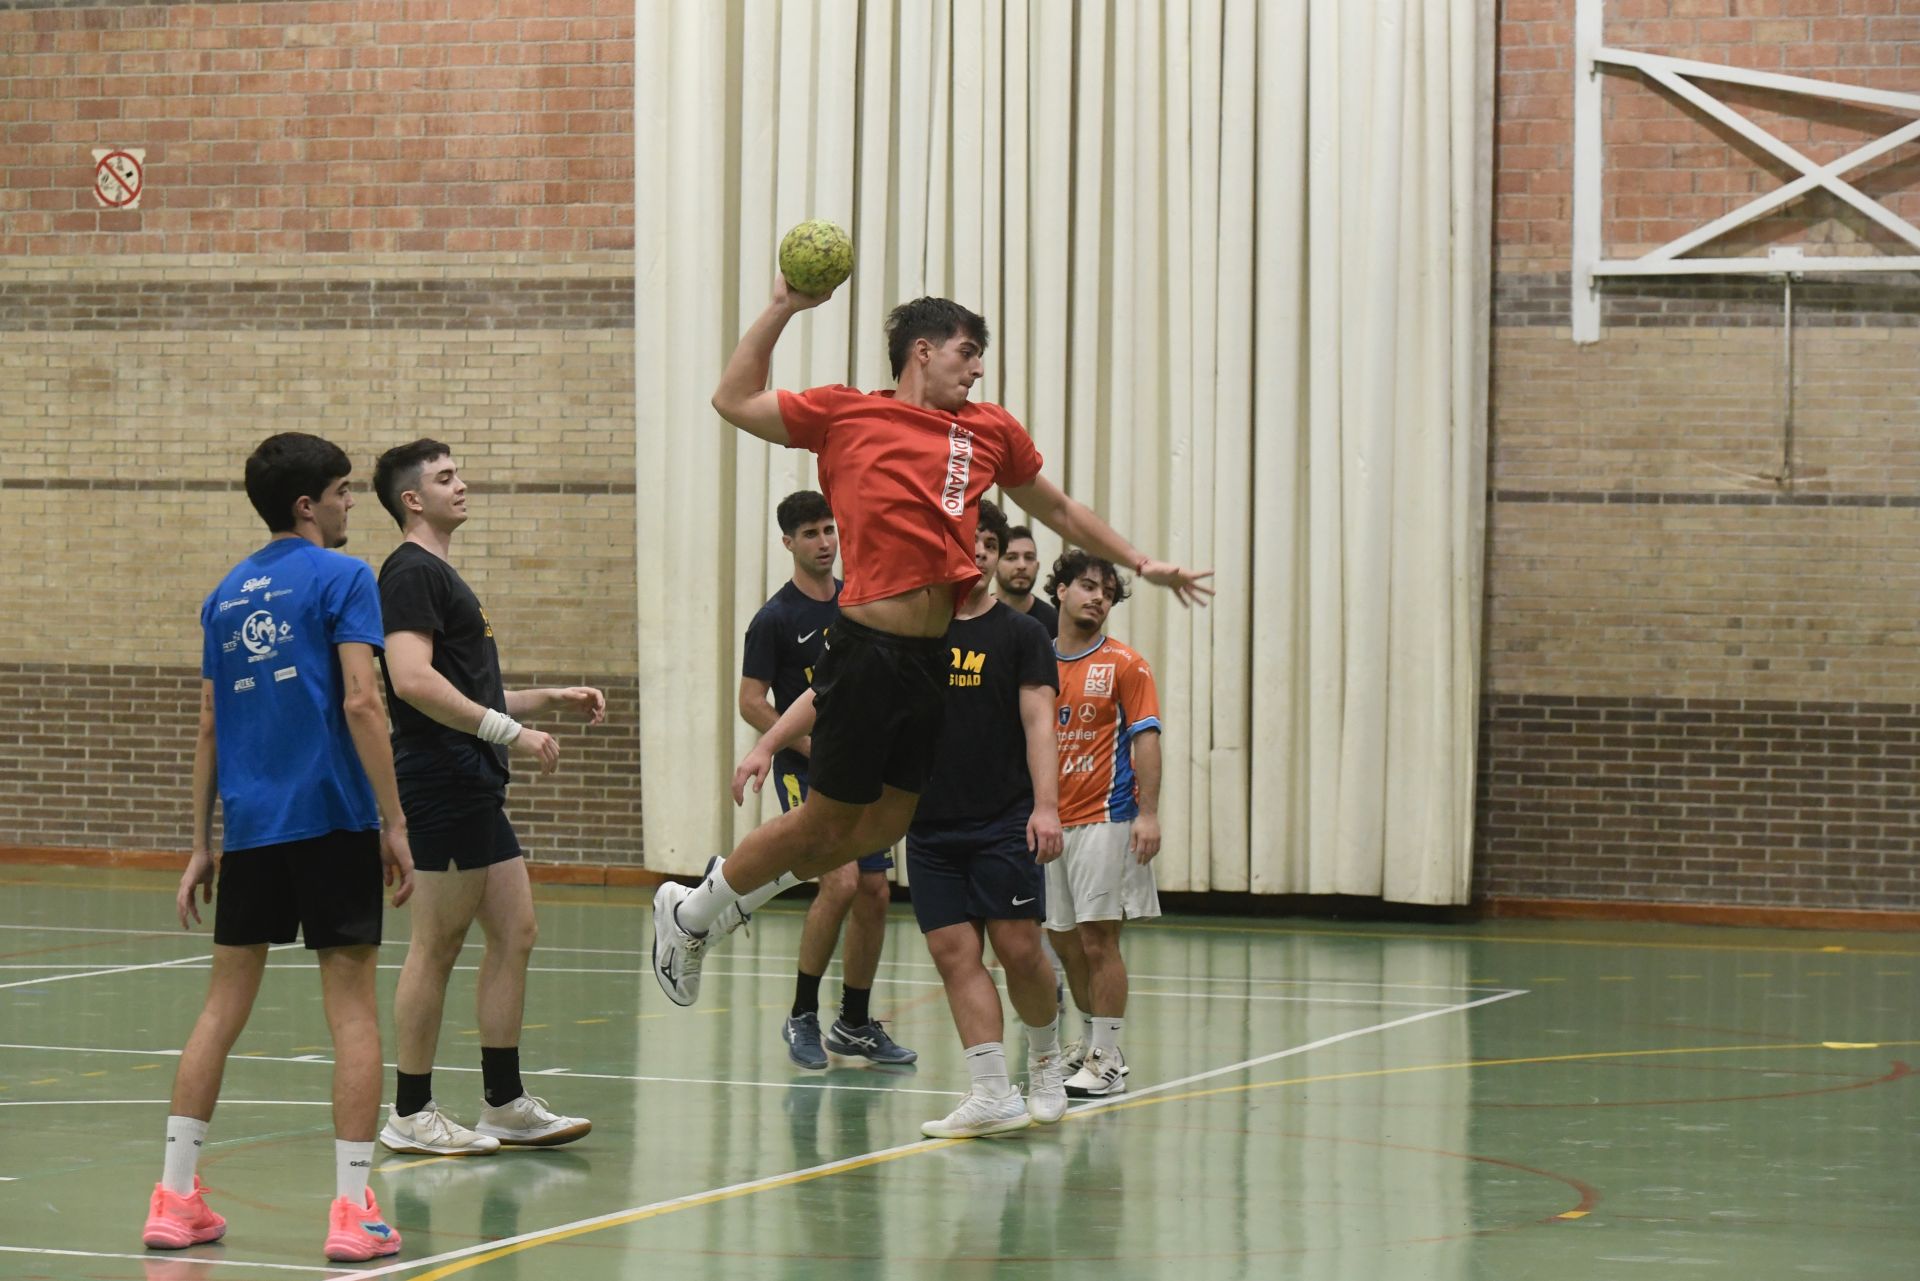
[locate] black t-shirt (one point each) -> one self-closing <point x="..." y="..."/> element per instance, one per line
<point x="784" y="644"/>
<point x="419" y="592"/>
<point x="1042" y="612"/>
<point x="980" y="767"/>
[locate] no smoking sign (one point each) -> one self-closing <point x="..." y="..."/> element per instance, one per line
<point x="119" y="174"/>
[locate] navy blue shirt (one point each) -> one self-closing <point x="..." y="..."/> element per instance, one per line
<point x="288" y="768"/>
<point x="784" y="644"/>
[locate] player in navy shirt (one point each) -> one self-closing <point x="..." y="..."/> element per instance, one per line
<point x="293" y="745"/>
<point x="1013" y="581"/>
<point x="784" y="642"/>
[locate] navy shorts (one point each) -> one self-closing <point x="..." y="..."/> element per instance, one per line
<point x="325" y="889"/>
<point x="791" y="787"/>
<point x="975" y="872"/>
<point x="454" y="824"/>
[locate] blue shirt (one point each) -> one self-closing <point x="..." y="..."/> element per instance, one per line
<point x="288" y="768"/>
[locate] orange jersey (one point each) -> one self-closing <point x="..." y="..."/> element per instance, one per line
<point x="1106" y="697"/>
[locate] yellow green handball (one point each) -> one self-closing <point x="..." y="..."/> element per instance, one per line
<point x="816" y="256"/>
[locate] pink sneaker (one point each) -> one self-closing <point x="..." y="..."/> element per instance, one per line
<point x="175" y="1222"/>
<point x="356" y="1233"/>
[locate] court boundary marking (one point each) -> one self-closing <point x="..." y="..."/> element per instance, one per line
<point x="472" y="1256"/>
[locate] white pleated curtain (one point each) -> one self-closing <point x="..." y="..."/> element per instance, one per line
<point x="1234" y="256"/>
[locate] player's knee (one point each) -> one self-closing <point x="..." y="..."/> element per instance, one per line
<point x="515" y="938"/>
<point x="876" y="892"/>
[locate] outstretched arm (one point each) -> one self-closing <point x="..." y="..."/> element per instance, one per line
<point x="743" y="398"/>
<point x="1081" y="526"/>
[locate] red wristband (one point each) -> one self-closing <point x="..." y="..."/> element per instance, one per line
<point x="1141" y="568"/>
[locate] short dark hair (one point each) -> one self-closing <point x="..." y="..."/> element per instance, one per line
<point x="1076" y="561"/>
<point x="285" y="468"/>
<point x="936" y="320"/>
<point x="1017" y="532"/>
<point x="994" y="521"/>
<point x="802" y="507"/>
<point x="399" y="470"/>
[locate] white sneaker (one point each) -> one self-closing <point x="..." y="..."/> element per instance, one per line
<point x="1101" y="1075"/>
<point x="527" y="1122"/>
<point x="979" y="1116"/>
<point x="432" y="1132"/>
<point x="677" y="955"/>
<point x="1073" y="1057"/>
<point x="1046" y="1089"/>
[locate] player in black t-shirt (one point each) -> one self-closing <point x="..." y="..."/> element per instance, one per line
<point x="987" y="821"/>
<point x="1019" y="570"/>
<point x="784" y="641"/>
<point x="453" y="731"/>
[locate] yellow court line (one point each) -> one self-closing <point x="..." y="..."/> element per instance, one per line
<point x="806" y="1176"/>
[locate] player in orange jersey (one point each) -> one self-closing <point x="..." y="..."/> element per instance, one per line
<point x="1108" y="721"/>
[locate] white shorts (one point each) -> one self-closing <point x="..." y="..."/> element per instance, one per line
<point x="1097" y="879"/>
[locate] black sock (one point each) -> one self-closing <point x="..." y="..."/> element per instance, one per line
<point x="414" y="1091"/>
<point x="806" y="994"/>
<point x="853" y="1005"/>
<point x="500" y="1074"/>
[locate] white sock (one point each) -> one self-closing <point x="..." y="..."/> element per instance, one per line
<point x="700" y="909"/>
<point x="1042" y="1041"/>
<point x="352" y="1163"/>
<point x="1106" y="1036"/>
<point x="1086" y="1031"/>
<point x="184" y="1137"/>
<point x="987" y="1064"/>
<point x="754" y="900"/>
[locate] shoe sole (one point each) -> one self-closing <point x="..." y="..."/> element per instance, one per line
<point x="566" y="1134"/>
<point x="1045" y="1120"/>
<point x="1074" y="1092"/>
<point x="799" y="1062"/>
<point x="168" y="1241"/>
<point x="394" y="1143"/>
<point x="658" y="977"/>
<point x="345" y="1255"/>
<point x="861" y="1054"/>
<point x="993" y="1131"/>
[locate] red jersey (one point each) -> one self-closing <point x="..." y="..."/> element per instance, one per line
<point x="1106" y="697"/>
<point x="905" y="483"/>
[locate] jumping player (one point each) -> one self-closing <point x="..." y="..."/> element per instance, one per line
<point x="904" y="470"/>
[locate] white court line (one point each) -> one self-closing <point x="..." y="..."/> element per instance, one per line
<point x="128" y="969"/>
<point x="776" y="1179"/>
<point x="566" y="1073"/>
<point x="181" y="1258"/>
<point x="89" y="929"/>
<point x="1335" y="1039"/>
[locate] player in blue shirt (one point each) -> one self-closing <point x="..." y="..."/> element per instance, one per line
<point x="293" y="741"/>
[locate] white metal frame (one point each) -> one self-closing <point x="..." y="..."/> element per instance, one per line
<point x="1679" y="76"/>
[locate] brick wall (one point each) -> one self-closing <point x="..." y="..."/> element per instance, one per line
<point x="1701" y="665"/>
<point x="372" y="221"/>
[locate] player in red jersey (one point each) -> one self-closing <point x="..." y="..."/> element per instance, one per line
<point x="903" y="471"/>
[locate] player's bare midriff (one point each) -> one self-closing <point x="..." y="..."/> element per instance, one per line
<point x="922" y="611"/>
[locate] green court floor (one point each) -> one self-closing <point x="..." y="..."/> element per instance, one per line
<point x="1309" y="1100"/>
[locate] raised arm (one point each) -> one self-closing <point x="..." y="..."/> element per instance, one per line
<point x="1081" y="526"/>
<point x="743" y="397"/>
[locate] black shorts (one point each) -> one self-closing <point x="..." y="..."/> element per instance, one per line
<point x="881" y="700"/>
<point x="325" y="889"/>
<point x="791" y="787"/>
<point x="455" y="824"/>
<point x="975" y="872"/>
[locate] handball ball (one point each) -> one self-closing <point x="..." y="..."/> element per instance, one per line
<point x="816" y="256"/>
